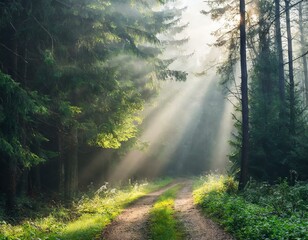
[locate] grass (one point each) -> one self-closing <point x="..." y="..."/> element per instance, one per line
<point x="85" y="220"/>
<point x="260" y="212"/>
<point x="163" y="224"/>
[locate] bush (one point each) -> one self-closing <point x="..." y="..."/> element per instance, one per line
<point x="261" y="212"/>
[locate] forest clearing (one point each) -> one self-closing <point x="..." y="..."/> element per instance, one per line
<point x="153" y="119"/>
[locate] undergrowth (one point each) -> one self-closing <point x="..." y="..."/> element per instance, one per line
<point x="163" y="223"/>
<point x="84" y="220"/>
<point x="260" y="212"/>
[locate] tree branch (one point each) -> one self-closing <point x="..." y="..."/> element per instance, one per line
<point x="293" y="60"/>
<point x="16" y="54"/>
<point x="52" y="46"/>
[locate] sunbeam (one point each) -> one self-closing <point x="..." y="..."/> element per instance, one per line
<point x="188" y="128"/>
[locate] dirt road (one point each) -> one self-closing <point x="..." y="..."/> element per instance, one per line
<point x="196" y="225"/>
<point x="132" y="223"/>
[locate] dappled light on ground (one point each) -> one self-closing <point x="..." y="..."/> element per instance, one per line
<point x="131" y="224"/>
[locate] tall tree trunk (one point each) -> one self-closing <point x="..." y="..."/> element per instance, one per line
<point x="61" y="165"/>
<point x="11" y="176"/>
<point x="35" y="181"/>
<point x="291" y="72"/>
<point x="302" y="39"/>
<point x="264" y="53"/>
<point x="14" y="73"/>
<point x="68" y="162"/>
<point x="23" y="183"/>
<point x="244" y="92"/>
<point x="25" y="70"/>
<point x="72" y="163"/>
<point x="11" y="173"/>
<point x="281" y="81"/>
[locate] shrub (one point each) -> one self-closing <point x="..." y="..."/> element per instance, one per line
<point x="261" y="212"/>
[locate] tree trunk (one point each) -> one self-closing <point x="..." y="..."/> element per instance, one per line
<point x="34" y="181"/>
<point x="291" y="72"/>
<point x="25" y="70"/>
<point x="11" y="173"/>
<point x="23" y="183"/>
<point x="15" y="60"/>
<point x="302" y="39"/>
<point x="72" y="164"/>
<point x="11" y="186"/>
<point x="244" y="91"/>
<point x="281" y="81"/>
<point x="61" y="149"/>
<point x="263" y="58"/>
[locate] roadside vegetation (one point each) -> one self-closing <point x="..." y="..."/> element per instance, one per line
<point x="261" y="211"/>
<point x="163" y="223"/>
<point x="85" y="219"/>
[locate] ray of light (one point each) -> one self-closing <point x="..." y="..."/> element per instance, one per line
<point x="188" y="127"/>
<point x="168" y="124"/>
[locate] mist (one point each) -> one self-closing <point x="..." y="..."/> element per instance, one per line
<point x="187" y="127"/>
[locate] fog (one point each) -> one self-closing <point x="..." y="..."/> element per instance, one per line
<point x="187" y="127"/>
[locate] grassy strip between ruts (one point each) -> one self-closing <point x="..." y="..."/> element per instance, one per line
<point x="163" y="224"/>
<point x="260" y="212"/>
<point x="85" y="220"/>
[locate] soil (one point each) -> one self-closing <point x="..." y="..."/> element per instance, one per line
<point x="197" y="226"/>
<point x="132" y="223"/>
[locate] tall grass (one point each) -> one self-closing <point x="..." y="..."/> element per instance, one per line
<point x="163" y="223"/>
<point x="85" y="220"/>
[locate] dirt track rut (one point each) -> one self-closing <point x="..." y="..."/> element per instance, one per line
<point x="132" y="223"/>
<point x="196" y="225"/>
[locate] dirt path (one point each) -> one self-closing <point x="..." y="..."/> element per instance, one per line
<point x="197" y="226"/>
<point x="132" y="223"/>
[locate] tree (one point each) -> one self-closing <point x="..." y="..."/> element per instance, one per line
<point x="291" y="69"/>
<point x="17" y="106"/>
<point x="280" y="55"/>
<point x="244" y="99"/>
<point x="302" y="42"/>
<point x="93" y="63"/>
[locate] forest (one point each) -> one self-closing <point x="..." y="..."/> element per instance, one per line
<point x="202" y="104"/>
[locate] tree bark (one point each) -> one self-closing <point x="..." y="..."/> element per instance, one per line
<point x="244" y="91"/>
<point x="302" y="40"/>
<point x="61" y="149"/>
<point x="281" y="81"/>
<point x="11" y="175"/>
<point x="23" y="183"/>
<point x="291" y="71"/>
<point x="264" y="53"/>
<point x="72" y="163"/>
<point x="68" y="162"/>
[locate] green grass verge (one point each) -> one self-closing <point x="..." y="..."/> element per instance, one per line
<point x="85" y="220"/>
<point x="163" y="224"/>
<point x="280" y="212"/>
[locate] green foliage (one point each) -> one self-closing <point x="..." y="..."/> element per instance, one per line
<point x="266" y="137"/>
<point x="285" y="200"/>
<point x="79" y="74"/>
<point x="85" y="220"/>
<point x="261" y="212"/>
<point x="17" y="110"/>
<point x="163" y="224"/>
<point x="274" y="152"/>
